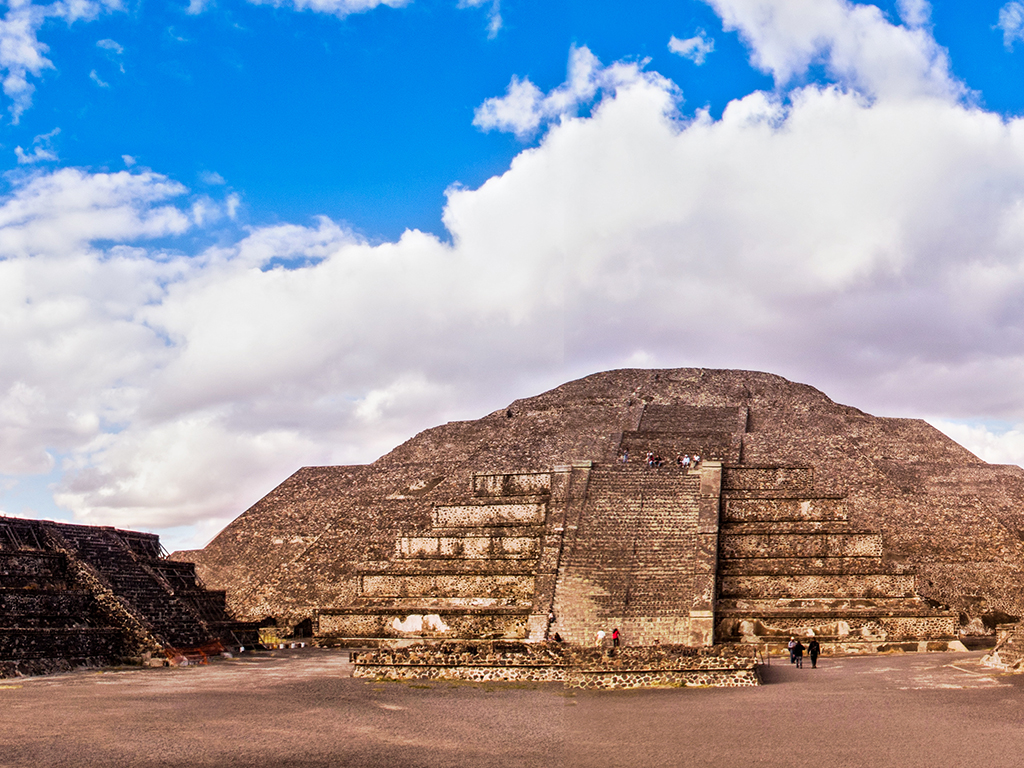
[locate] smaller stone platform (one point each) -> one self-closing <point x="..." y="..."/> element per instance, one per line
<point x="661" y="666"/>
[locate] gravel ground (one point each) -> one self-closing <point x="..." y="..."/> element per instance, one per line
<point x="300" y="708"/>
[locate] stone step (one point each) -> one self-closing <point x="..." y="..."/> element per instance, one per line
<point x="736" y="509"/>
<point x="790" y="527"/>
<point x="721" y="446"/>
<point x="484" y="532"/>
<point x="497" y="485"/>
<point x="428" y="623"/>
<point x="512" y="586"/>
<point x="767" y="479"/>
<point x="469" y="547"/>
<point x="779" y="494"/>
<point x="883" y="606"/>
<point x="419" y="604"/>
<point x="19" y="570"/>
<point x="804" y="586"/>
<point x="41" y="643"/>
<point x="453" y="567"/>
<point x="802" y="566"/>
<point x="694" y="418"/>
<point x="800" y="545"/>
<point x="481" y="515"/>
<point x="46" y="607"/>
<point x="848" y="628"/>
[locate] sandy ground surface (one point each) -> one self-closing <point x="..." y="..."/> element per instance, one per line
<point x="301" y="708"/>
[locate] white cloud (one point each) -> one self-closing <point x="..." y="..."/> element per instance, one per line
<point x="1005" y="446"/>
<point x="110" y="45"/>
<point x="856" y="43"/>
<point x="211" y="178"/>
<point x="340" y="8"/>
<point x="96" y="79"/>
<point x="524" y="107"/>
<point x="494" y="21"/>
<point x="915" y="13"/>
<point x="694" y="48"/>
<point x="23" y="55"/>
<point x="61" y="212"/>
<point x="42" y="149"/>
<point x="869" y="246"/>
<point x="1011" y="21"/>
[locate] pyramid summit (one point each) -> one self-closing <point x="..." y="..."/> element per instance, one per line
<point x="570" y="513"/>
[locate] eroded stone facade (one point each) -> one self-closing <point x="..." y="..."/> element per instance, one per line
<point x="635" y="667"/>
<point x="75" y="595"/>
<point x="805" y="516"/>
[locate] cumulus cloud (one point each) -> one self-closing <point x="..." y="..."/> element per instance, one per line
<point x="524" y="108"/>
<point x="866" y="241"/>
<point x="212" y="178"/>
<point x="195" y="7"/>
<point x="1011" y="21"/>
<point x="858" y="46"/>
<point x="695" y="48"/>
<point x="914" y="13"/>
<point x="60" y="213"/>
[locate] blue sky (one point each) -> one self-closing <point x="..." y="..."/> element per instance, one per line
<point x="237" y="238"/>
<point x="366" y="119"/>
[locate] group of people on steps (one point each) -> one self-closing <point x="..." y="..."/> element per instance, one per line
<point x="654" y="460"/>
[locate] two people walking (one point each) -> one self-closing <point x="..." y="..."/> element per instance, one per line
<point x="796" y="652"/>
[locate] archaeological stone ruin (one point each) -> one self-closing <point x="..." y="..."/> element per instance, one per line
<point x="472" y="549"/>
<point x="544" y="518"/>
<point x="76" y="595"/>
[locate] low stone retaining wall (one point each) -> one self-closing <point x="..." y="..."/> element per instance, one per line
<point x="591" y="668"/>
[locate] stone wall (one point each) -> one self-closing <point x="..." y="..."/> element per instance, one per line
<point x="635" y="667"/>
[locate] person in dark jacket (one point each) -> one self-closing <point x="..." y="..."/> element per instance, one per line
<point x="813" y="649"/>
<point x="798" y="653"/>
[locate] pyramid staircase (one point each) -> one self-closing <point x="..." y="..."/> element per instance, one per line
<point x="74" y="595"/>
<point x="673" y="430"/>
<point x="47" y="624"/>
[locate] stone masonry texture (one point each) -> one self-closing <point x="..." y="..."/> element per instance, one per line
<point x="806" y="517"/>
<point x="75" y="595"/>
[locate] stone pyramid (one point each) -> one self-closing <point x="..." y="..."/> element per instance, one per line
<point x="803" y="517"/>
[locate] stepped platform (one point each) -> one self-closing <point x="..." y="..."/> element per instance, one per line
<point x="72" y="595"/>
<point x="791" y="563"/>
<point x="805" y="516"/>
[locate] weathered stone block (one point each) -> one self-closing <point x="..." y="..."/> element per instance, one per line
<point x="473" y="516"/>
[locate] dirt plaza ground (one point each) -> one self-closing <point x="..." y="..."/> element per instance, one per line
<point x="301" y="708"/>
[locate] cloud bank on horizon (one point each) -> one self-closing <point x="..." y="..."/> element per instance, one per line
<point x="857" y="223"/>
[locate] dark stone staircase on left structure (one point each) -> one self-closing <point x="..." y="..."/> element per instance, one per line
<point x="75" y="595"/>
